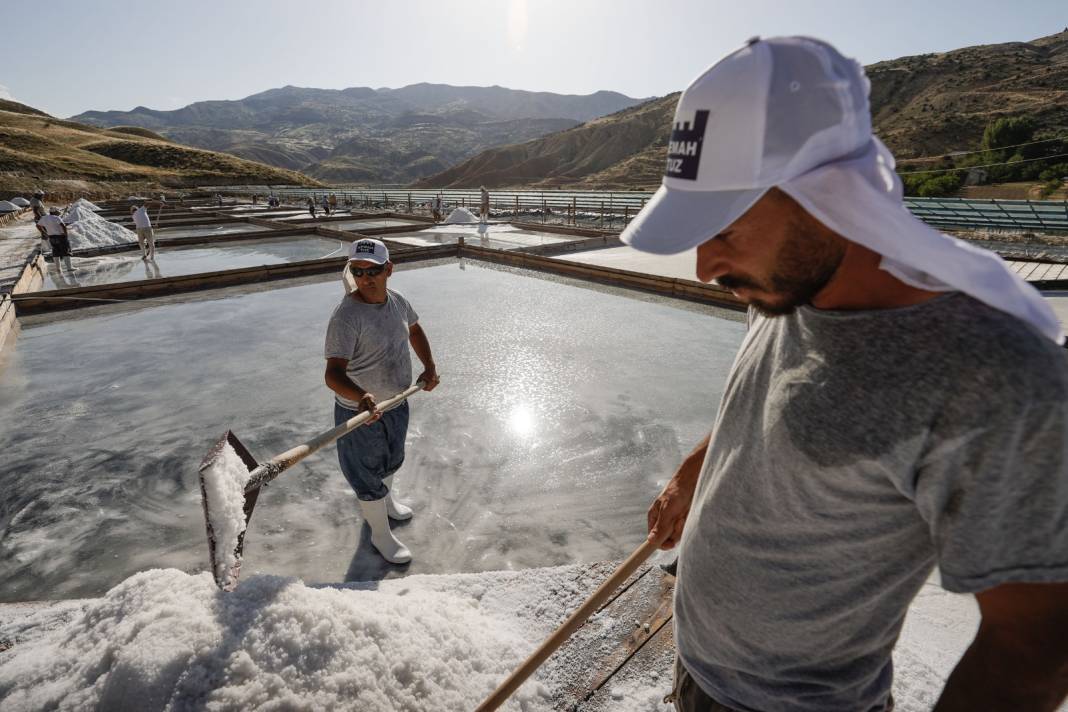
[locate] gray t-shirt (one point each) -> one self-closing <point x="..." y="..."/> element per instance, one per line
<point x="852" y="452"/>
<point x="374" y="339"/>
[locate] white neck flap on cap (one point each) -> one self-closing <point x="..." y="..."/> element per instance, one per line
<point x="860" y="198"/>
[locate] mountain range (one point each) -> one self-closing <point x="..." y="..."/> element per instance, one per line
<point x="367" y="135"/>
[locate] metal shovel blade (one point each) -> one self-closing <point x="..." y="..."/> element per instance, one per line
<point x="250" y="503"/>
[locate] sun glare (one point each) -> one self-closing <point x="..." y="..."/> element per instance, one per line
<point x="521" y="420"/>
<point x="517" y="23"/>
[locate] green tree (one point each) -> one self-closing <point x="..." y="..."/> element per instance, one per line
<point x="1009" y="131"/>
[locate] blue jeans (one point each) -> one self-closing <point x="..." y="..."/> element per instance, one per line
<point x="372" y="452"/>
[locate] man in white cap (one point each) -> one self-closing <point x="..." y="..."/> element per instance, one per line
<point x="899" y="402"/>
<point x="367" y="361"/>
<point x="146" y="237"/>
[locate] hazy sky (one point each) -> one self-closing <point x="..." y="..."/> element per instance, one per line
<point x="68" y="56"/>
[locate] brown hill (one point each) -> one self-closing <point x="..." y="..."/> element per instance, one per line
<point x="932" y="104"/>
<point x="37" y="150"/>
<point x="925" y="105"/>
<point x="620" y="148"/>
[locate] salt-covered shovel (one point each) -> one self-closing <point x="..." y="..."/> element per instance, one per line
<point x="230" y="482"/>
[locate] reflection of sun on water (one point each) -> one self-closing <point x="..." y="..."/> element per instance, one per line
<point x="521" y="420"/>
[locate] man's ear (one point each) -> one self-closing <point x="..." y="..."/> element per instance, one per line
<point x="389" y="269"/>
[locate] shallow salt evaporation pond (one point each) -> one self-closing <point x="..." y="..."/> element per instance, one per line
<point x="562" y="409"/>
<point x="356" y="225"/>
<point x="178" y="261"/>
<point x="166" y="233"/>
<point x="492" y="236"/>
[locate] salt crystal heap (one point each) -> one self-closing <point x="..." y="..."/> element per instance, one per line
<point x="87" y="229"/>
<point x="459" y="216"/>
<point x="224" y="480"/>
<point x="164" y="640"/>
<point x="83" y="203"/>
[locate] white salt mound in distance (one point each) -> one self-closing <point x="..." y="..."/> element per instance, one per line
<point x="6" y="206"/>
<point x="480" y="230"/>
<point x="21" y="202"/>
<point x="87" y="229"/>
<point x="461" y="215"/>
<point x="164" y="640"/>
<point x="83" y="203"/>
<point x="224" y="488"/>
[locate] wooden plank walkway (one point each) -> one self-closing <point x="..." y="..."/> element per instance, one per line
<point x="1039" y="271"/>
<point x="630" y="638"/>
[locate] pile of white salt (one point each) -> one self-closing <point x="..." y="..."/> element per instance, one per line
<point x="87" y="229"/>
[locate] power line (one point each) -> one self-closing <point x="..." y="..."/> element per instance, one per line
<point x="986" y="165"/>
<point x="955" y="154"/>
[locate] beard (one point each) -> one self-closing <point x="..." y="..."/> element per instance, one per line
<point x="803" y="267"/>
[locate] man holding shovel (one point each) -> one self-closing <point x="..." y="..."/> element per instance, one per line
<point x="367" y="361"/>
<point x="899" y="402"/>
<point x="146" y="237"/>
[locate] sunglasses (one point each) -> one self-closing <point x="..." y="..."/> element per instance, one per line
<point x="369" y="271"/>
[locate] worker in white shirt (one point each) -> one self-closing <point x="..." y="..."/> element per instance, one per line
<point x="52" y="228"/>
<point x="145" y="237"/>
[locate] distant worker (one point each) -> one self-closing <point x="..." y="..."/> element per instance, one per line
<point x="255" y="198"/>
<point x="483" y="209"/>
<point x="146" y="238"/>
<point x="37" y="203"/>
<point x="436" y="207"/>
<point x="333" y="202"/>
<point x="326" y="205"/>
<point x="52" y="227"/>
<point x="367" y="361"/>
<point x="219" y="199"/>
<point x="311" y="207"/>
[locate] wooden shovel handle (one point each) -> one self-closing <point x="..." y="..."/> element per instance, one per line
<point x="561" y="634"/>
<point x="280" y="463"/>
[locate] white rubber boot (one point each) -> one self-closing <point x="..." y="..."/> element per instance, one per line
<point x="397" y="510"/>
<point x="374" y="513"/>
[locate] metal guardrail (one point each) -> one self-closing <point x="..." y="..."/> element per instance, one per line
<point x="614" y="209"/>
<point x="597" y="209"/>
<point x="994" y="214"/>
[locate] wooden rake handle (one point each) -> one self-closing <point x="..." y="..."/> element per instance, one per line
<point x="280" y="463"/>
<point x="561" y="634"/>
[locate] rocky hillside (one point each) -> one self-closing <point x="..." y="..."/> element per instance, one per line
<point x="932" y="104"/>
<point x="368" y="135"/>
<point x="623" y="149"/>
<point x="926" y="105"/>
<point x="36" y="148"/>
